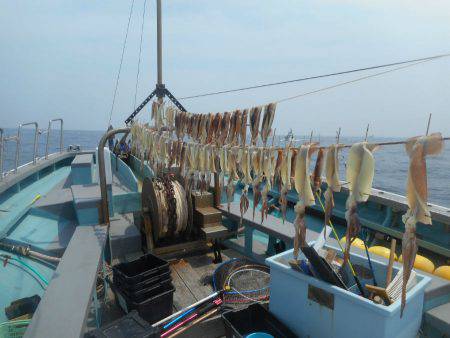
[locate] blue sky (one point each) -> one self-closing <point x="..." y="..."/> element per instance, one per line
<point x="60" y="58"/>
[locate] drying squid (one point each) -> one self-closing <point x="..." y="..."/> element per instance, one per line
<point x="417" y="149"/>
<point x="266" y="127"/>
<point x="243" y="130"/>
<point x="359" y="175"/>
<point x="215" y="126"/>
<point x="209" y="128"/>
<point x="238" y="126"/>
<point x="256" y="159"/>
<point x="223" y="163"/>
<point x="268" y="163"/>
<point x="232" y="170"/>
<point x="318" y="169"/>
<point x="246" y="180"/>
<point x="182" y="158"/>
<point x="255" y="116"/>
<point x="224" y="128"/>
<point x="332" y="178"/>
<point x="170" y="115"/>
<point x="285" y="175"/>
<point x="232" y="129"/>
<point x="203" y="133"/>
<point x="293" y="163"/>
<point x="277" y="169"/>
<point x="302" y="184"/>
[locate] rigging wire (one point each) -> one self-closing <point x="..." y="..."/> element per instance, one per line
<point x="429" y="58"/>
<point x="120" y="64"/>
<point x="339" y="84"/>
<point x="140" y="53"/>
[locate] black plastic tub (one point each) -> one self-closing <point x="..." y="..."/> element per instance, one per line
<point x="152" y="309"/>
<point x="150" y="291"/>
<point x="254" y="319"/>
<point x="141" y="269"/>
<point x="146" y="283"/>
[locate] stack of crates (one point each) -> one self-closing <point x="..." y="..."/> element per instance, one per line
<point x="144" y="285"/>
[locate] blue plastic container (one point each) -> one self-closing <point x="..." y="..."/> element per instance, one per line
<point x="313" y="308"/>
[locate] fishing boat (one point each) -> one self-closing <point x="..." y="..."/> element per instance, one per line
<point x="137" y="240"/>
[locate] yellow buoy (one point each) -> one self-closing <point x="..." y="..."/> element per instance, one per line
<point x="357" y="242"/>
<point x="381" y="251"/>
<point x="443" y="271"/>
<point x="422" y="263"/>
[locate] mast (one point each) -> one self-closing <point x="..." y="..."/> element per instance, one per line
<point x="160" y="91"/>
<point x="159" y="41"/>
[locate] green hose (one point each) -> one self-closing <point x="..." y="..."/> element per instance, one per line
<point x="42" y="278"/>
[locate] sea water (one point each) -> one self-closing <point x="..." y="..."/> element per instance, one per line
<point x="391" y="162"/>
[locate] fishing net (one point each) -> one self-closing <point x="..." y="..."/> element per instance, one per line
<point x="242" y="281"/>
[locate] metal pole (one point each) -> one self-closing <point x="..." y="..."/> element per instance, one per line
<point x="48" y="138"/>
<point x="1" y="153"/>
<point x="159" y="40"/>
<point x="18" y="146"/>
<point x="104" y="217"/>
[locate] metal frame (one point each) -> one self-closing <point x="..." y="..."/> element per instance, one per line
<point x="60" y="136"/>
<point x="18" y="145"/>
<point x="104" y="217"/>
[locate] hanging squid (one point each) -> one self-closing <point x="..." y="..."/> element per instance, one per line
<point x="255" y="116"/>
<point x="266" y="127"/>
<point x="332" y="178"/>
<point x="268" y="170"/>
<point x="285" y="174"/>
<point x="232" y="174"/>
<point x="243" y="130"/>
<point x="417" y="149"/>
<point x="302" y="184"/>
<point x="256" y="159"/>
<point x="246" y="180"/>
<point x="359" y="175"/>
<point x="318" y="169"/>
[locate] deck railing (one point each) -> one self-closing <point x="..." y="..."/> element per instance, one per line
<point x="18" y="139"/>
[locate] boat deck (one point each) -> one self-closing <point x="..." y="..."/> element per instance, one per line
<point x="191" y="277"/>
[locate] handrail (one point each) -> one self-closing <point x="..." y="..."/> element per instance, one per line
<point x="18" y="145"/>
<point x="104" y="217"/>
<point x="60" y="136"/>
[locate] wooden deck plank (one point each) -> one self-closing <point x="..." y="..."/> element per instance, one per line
<point x="193" y="278"/>
<point x="182" y="297"/>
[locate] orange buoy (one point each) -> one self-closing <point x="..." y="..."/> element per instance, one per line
<point x="443" y="272"/>
<point x="357" y="242"/>
<point x="381" y="251"/>
<point x="422" y="263"/>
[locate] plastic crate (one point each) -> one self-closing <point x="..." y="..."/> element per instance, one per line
<point x="129" y="326"/>
<point x="311" y="307"/>
<point x="254" y="319"/>
<point x="153" y="290"/>
<point x="14" y="328"/>
<point x="120" y="282"/>
<point x="152" y="309"/>
<point x="141" y="269"/>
